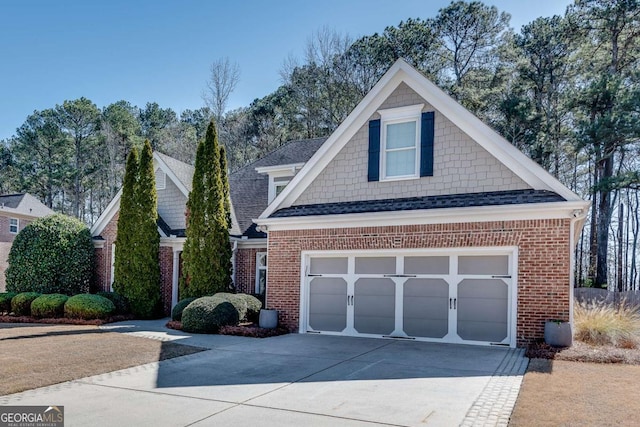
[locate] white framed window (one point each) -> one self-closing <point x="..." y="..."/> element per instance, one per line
<point x="14" y="225"/>
<point x="279" y="186"/>
<point x="161" y="180"/>
<point x="400" y="143"/>
<point x="261" y="272"/>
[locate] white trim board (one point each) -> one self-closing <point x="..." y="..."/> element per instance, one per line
<point x="401" y="72"/>
<point x="551" y="210"/>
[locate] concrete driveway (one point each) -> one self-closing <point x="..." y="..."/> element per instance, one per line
<point x="296" y="380"/>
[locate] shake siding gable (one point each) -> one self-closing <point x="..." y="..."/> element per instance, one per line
<point x="171" y="205"/>
<point x="460" y="165"/>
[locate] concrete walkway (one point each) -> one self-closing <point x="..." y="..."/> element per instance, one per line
<point x="296" y="379"/>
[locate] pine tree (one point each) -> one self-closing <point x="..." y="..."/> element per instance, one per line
<point x="123" y="266"/>
<point x="206" y="255"/>
<point x="144" y="295"/>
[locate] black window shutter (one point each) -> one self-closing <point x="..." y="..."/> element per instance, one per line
<point x="374" y="150"/>
<point x="426" y="145"/>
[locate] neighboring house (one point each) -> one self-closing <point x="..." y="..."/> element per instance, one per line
<point x="413" y="219"/>
<point x="16" y="211"/>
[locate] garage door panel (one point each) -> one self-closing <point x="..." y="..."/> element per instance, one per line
<point x="425" y="308"/>
<point x="327" y="304"/>
<point x="374" y="306"/>
<point x="426" y="295"/>
<point x="482" y="310"/>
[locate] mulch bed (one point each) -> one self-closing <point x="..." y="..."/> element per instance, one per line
<point x="245" y="330"/>
<point x="65" y="320"/>
<point x="581" y="352"/>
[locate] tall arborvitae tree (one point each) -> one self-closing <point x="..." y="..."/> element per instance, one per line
<point x="206" y="251"/>
<point x="226" y="204"/>
<point x="123" y="266"/>
<point x="144" y="293"/>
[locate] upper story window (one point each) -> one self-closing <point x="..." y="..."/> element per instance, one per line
<point x="279" y="177"/>
<point x="14" y="224"/>
<point x="400" y="142"/>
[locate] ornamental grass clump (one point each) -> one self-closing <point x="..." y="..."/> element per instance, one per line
<point x="604" y="324"/>
<point x="48" y="306"/>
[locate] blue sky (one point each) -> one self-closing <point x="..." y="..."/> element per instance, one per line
<point x="156" y="50"/>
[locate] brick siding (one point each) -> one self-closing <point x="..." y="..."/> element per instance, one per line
<point x="543" y="261"/>
<point x="246" y="269"/>
<point x="102" y="266"/>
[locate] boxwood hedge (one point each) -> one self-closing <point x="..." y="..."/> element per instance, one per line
<point x="208" y="314"/>
<point x="88" y="306"/>
<point x="5" y="301"/>
<point x="21" y="303"/>
<point x="49" y="305"/>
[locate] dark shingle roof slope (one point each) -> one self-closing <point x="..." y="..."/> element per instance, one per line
<point x="249" y="189"/>
<point x="11" y="200"/>
<point x="496" y="198"/>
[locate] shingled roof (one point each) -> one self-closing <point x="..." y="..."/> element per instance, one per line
<point x="495" y="198"/>
<point x="23" y="204"/>
<point x="249" y="189"/>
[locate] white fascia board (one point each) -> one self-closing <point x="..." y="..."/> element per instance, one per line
<point x="176" y="243"/>
<point x="274" y="170"/>
<point x="158" y="162"/>
<point x="106" y="215"/>
<point x="337" y="140"/>
<point x="250" y="243"/>
<point x="551" y="210"/>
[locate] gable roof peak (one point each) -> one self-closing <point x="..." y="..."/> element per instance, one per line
<point x="402" y="72"/>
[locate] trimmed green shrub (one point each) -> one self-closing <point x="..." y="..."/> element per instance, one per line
<point x="176" y="312"/>
<point x="49" y="305"/>
<point x="5" y="301"/>
<point x="254" y="305"/>
<point x="88" y="306"/>
<point x="21" y="303"/>
<point x="121" y="303"/>
<point x="53" y="254"/>
<point x="208" y="314"/>
<point x="248" y="307"/>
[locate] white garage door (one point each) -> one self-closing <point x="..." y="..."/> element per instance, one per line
<point x="460" y="296"/>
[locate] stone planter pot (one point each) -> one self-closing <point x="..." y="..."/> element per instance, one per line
<point x="268" y="318"/>
<point x="558" y="333"/>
